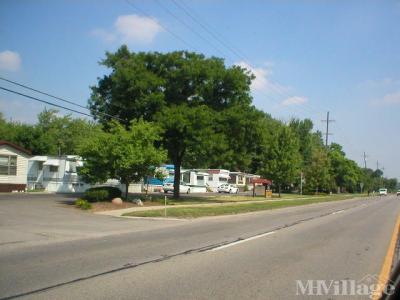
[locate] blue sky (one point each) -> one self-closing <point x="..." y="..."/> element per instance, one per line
<point x="309" y="56"/>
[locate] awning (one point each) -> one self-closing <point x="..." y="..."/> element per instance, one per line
<point x="261" y="181"/>
<point x="224" y="176"/>
<point x="202" y="174"/>
<point x="52" y="162"/>
<point x="39" y="158"/>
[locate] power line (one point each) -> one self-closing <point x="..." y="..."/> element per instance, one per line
<point x="215" y="35"/>
<point x="165" y="28"/>
<point x="44" y="101"/>
<point x="59" y="98"/>
<point x="41" y="92"/>
<point x="189" y="27"/>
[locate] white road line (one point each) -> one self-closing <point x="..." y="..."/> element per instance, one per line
<point x="242" y="241"/>
<point x="264" y="234"/>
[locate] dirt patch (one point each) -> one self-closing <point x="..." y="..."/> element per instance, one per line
<point x="104" y="206"/>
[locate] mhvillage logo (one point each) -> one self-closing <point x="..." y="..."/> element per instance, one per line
<point x="369" y="285"/>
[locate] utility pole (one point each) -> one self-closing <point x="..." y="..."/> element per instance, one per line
<point x="301" y="183"/>
<point x="377" y="165"/>
<point x="327" y="128"/>
<point x="365" y="160"/>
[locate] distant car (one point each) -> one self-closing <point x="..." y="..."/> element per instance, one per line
<point x="183" y="187"/>
<point x="398" y="192"/>
<point x="228" y="188"/>
<point x="382" y="192"/>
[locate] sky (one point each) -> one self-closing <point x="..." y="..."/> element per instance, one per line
<point x="309" y="57"/>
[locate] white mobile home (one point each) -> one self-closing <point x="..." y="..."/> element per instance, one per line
<point x="59" y="174"/>
<point x="13" y="167"/>
<point x="216" y="177"/>
<point x="197" y="180"/>
<point x="55" y="174"/>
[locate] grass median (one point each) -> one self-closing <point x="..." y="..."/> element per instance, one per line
<point x="217" y="210"/>
<point x="216" y="198"/>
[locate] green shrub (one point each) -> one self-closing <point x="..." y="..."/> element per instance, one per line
<point x="102" y="193"/>
<point x="83" y="204"/>
<point x="98" y="195"/>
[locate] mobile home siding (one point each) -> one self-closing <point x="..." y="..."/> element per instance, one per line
<point x="22" y="166"/>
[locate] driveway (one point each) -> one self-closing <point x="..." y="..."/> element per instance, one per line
<point x="27" y="219"/>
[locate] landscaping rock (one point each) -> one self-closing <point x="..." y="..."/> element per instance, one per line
<point x="117" y="201"/>
<point x="138" y="202"/>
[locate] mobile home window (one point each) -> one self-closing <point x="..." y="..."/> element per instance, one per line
<point x="53" y="169"/>
<point x="8" y="165"/>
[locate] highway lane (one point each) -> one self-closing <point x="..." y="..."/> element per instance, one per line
<point x="338" y="240"/>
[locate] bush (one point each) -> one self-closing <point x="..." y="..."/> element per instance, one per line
<point x="83" y="204"/>
<point x="97" y="195"/>
<point x="102" y="193"/>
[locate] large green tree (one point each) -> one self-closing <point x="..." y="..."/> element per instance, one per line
<point x="344" y="171"/>
<point x="124" y="154"/>
<point x="281" y="158"/>
<point x="303" y="130"/>
<point x="160" y="86"/>
<point x="317" y="173"/>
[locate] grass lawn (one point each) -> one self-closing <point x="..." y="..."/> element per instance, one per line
<point x="216" y="198"/>
<point x="196" y="212"/>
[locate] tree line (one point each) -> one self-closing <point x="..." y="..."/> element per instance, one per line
<point x="195" y="112"/>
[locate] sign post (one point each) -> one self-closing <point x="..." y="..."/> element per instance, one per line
<point x="165" y="206"/>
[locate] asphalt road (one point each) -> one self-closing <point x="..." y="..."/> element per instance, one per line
<point x="249" y="256"/>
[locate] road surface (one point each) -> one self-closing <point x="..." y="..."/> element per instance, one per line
<point x="250" y="256"/>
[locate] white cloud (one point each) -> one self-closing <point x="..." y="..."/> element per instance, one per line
<point x="295" y="100"/>
<point x="10" y="61"/>
<point x="262" y="83"/>
<point x="137" y="29"/>
<point x="388" y="99"/>
<point x="131" y="29"/>
<point x="261" y="74"/>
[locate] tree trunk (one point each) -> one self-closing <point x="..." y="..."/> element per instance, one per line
<point x="126" y="190"/>
<point x="279" y="190"/>
<point x="177" y="178"/>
